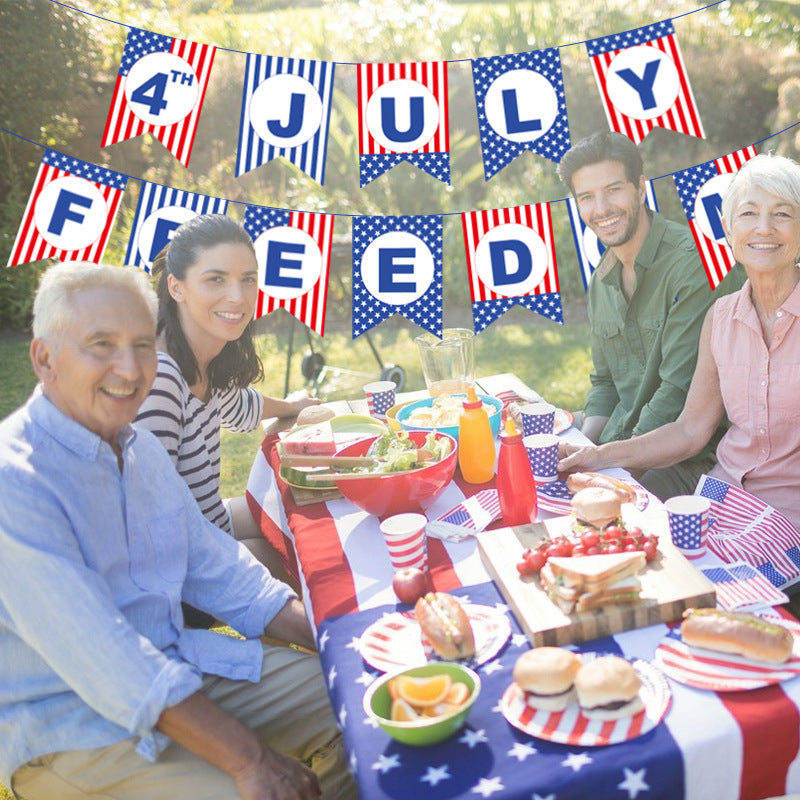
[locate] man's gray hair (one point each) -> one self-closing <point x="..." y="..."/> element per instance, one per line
<point x="52" y="307"/>
<point x="777" y="175"/>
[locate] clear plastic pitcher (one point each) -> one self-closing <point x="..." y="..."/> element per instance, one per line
<point x="448" y="364"/>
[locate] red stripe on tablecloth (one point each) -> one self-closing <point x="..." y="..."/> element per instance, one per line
<point x="769" y="722"/>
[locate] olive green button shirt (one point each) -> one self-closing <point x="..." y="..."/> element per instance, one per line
<point x="644" y="351"/>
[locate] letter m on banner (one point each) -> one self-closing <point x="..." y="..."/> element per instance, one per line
<point x="160" y="88"/>
<point x="511" y="260"/>
<point x="403" y="116"/>
<point x="70" y="211"/>
<point x="701" y="189"/>
<point x="643" y="82"/>
<point x="293" y="250"/>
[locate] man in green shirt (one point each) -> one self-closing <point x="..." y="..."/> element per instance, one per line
<point x="646" y="303"/>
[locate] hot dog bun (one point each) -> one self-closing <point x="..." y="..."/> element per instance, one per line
<point x="445" y="624"/>
<point x="583" y="480"/>
<point x="743" y="634"/>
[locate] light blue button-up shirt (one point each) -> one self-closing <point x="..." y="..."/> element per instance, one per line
<point x="94" y="563"/>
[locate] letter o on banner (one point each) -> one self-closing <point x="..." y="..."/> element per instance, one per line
<point x="285" y="110"/>
<point x="511" y="260"/>
<point x="397" y="268"/>
<point x="289" y="262"/>
<point x="643" y="82"/>
<point x="70" y="213"/>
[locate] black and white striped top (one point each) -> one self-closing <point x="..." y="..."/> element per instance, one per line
<point x="189" y="430"/>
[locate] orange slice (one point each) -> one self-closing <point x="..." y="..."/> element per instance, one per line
<point x="458" y="694"/>
<point x="423" y="691"/>
<point x="393" y="691"/>
<point x="402" y="711"/>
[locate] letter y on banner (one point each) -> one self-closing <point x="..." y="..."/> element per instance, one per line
<point x="397" y="269"/>
<point x="160" y="88"/>
<point x="511" y="260"/>
<point x="701" y="189"/>
<point x="643" y="82"/>
<point x="70" y="211"/>
<point x="293" y="250"/>
<point x="403" y="116"/>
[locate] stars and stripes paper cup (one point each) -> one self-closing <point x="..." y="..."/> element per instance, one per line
<point x="404" y="535"/>
<point x="537" y="418"/>
<point x="543" y="456"/>
<point x="688" y="516"/>
<point x="380" y="397"/>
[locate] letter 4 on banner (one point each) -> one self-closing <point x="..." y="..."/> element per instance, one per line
<point x="589" y="248"/>
<point x="70" y="211"/>
<point x="701" y="189"/>
<point x="643" y="82"/>
<point x="293" y="250"/>
<point x="402" y="116"/>
<point x="160" y="212"/>
<point x="286" y="107"/>
<point x="160" y="88"/>
<point x="397" y="269"/>
<point x="521" y="106"/>
<point x="511" y="260"/>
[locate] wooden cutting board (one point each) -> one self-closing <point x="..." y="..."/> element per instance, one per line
<point x="670" y="584"/>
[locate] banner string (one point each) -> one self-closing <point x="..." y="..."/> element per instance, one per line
<point x="356" y="63"/>
<point x="336" y="214"/>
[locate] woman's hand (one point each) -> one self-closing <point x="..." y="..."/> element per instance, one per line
<point x="576" y="457"/>
<point x="303" y="402"/>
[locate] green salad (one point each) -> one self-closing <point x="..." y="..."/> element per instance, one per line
<point x="396" y="452"/>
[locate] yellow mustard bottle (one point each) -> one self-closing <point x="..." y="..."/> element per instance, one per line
<point x="476" y="453"/>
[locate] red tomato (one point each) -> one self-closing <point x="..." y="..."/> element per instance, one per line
<point x="631" y="548"/>
<point x="558" y="550"/>
<point x="613" y="548"/>
<point x="650" y="551"/>
<point x="635" y="532"/>
<point x="613" y="532"/>
<point x="593" y="550"/>
<point x="590" y="539"/>
<point x="522" y="568"/>
<point x="535" y="560"/>
<point x="578" y="550"/>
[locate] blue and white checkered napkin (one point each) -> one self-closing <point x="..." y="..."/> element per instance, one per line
<point x="466" y="519"/>
<point x="741" y="587"/>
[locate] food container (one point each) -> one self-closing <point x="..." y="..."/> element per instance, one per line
<point x="494" y="407"/>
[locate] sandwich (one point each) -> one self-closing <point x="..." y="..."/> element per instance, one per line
<point x="547" y="676"/>
<point x="587" y="582"/>
<point x="608" y="689"/>
<point x="595" y="508"/>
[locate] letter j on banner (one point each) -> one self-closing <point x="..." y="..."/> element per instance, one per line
<point x="293" y="250"/>
<point x="160" y="88"/>
<point x="397" y="269"/>
<point x="511" y="260"/>
<point x="70" y="211"/>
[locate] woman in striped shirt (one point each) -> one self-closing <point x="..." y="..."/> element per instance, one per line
<point x="207" y="290"/>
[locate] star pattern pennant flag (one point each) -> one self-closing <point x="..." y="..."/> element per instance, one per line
<point x="589" y="248"/>
<point x="70" y="211"/>
<point x="643" y="82"/>
<point x="403" y="116"/>
<point x="521" y="106"/>
<point x="511" y="260"/>
<point x="397" y="269"/>
<point x="160" y="89"/>
<point x="701" y="189"/>
<point x="286" y="107"/>
<point x="161" y="210"/>
<point x="747" y="529"/>
<point x="293" y="249"/>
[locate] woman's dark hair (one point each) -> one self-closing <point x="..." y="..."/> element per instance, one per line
<point x="602" y="146"/>
<point x="237" y="364"/>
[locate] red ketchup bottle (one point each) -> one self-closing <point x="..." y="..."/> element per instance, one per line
<point x="515" y="484"/>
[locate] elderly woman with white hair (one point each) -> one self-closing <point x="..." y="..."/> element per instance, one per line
<point x="748" y="364"/>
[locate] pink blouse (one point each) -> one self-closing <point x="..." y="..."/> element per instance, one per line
<point x="761" y="392"/>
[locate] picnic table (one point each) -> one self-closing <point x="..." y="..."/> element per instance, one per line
<point x="711" y="745"/>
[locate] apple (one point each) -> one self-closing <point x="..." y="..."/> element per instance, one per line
<point x="409" y="584"/>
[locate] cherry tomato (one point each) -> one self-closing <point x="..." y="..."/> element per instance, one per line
<point x="593" y="550"/>
<point x="631" y="548"/>
<point x="534" y="560"/>
<point x="613" y="532"/>
<point x="613" y="548"/>
<point x="557" y="551"/>
<point x="589" y="539"/>
<point x="650" y="551"/>
<point x="522" y="568"/>
<point x="653" y="537"/>
<point x="578" y="550"/>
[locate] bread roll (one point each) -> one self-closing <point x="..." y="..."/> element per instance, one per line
<point x="547" y="674"/>
<point x="585" y="480"/>
<point x="445" y="624"/>
<point x="608" y="688"/>
<point x="313" y="415"/>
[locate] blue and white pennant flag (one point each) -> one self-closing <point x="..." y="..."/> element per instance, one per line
<point x="160" y="212"/>
<point x="286" y="107"/>
<point x="521" y="106"/>
<point x="397" y="269"/>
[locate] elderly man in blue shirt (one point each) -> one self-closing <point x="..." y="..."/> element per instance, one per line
<point x="103" y="691"/>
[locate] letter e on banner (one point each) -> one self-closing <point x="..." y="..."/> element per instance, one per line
<point x="402" y="115"/>
<point x="397" y="268"/>
<point x="521" y="105"/>
<point x="708" y="206"/>
<point x="643" y="82"/>
<point x="70" y="213"/>
<point x="511" y="260"/>
<point x="161" y="88"/>
<point x="289" y="262"/>
<point x="286" y="110"/>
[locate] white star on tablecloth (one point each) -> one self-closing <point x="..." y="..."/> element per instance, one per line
<point x="488" y="786"/>
<point x="634" y="783"/>
<point x="365" y="678"/>
<point x="323" y="640"/>
<point x="435" y="775"/>
<point x="354" y="644"/>
<point x="342" y="716"/>
<point x="519" y="639"/>
<point x="521" y="750"/>
<point x="576" y="760"/>
<point x="473" y="738"/>
<point x="386" y="763"/>
<point x="492" y="666"/>
<point x="332" y="675"/>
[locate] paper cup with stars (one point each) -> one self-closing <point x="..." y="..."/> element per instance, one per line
<point x="380" y="397"/>
<point x="537" y="418"/>
<point x="543" y="454"/>
<point x="688" y="523"/>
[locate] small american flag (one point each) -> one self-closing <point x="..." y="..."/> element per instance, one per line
<point x="741" y="587"/>
<point x="747" y="529"/>
<point x="475" y="514"/>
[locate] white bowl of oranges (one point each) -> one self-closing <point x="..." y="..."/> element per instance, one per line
<point x="423" y="705"/>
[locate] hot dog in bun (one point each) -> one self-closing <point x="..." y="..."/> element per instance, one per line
<point x="608" y="688"/>
<point x="743" y="634"/>
<point x="547" y="675"/>
<point x="585" y="480"/>
<point x="445" y="624"/>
